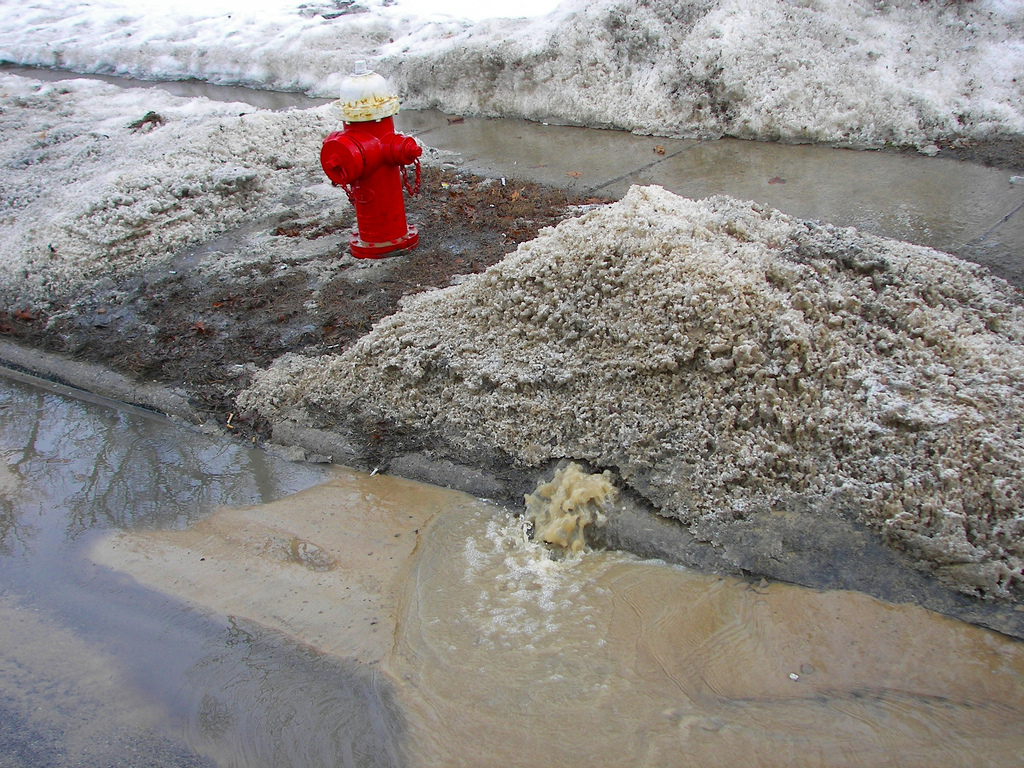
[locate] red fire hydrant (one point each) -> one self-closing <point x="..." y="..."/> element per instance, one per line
<point x="368" y="160"/>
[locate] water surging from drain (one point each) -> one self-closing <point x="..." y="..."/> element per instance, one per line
<point x="531" y="560"/>
<point x="561" y="510"/>
<point x="497" y="650"/>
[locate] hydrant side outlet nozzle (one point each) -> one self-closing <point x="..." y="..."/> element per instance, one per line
<point x="403" y="150"/>
<point x="343" y="160"/>
<point x="368" y="160"/>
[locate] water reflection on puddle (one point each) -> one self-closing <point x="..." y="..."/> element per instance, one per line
<point x="95" y="671"/>
<point x="453" y="640"/>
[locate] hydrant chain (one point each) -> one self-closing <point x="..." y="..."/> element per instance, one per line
<point x="414" y="188"/>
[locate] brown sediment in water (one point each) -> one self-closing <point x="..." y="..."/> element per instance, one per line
<point x="502" y="654"/>
<point x="322" y="565"/>
<point x="511" y="658"/>
<point x="562" y="509"/>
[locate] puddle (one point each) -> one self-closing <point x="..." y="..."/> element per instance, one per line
<point x="496" y="653"/>
<point x="607" y="660"/>
<point x="324" y="565"/>
<point x="329" y="617"/>
<point x="96" y="671"/>
<point x="965" y="209"/>
<point x="257" y="699"/>
<point x="63" y="701"/>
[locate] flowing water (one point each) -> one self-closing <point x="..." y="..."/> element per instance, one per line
<point x="171" y="598"/>
<point x="606" y="660"/>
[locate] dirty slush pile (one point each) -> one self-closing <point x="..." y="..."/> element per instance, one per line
<point x="724" y="359"/>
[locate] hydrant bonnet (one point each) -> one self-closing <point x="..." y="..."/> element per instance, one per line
<point x="366" y="96"/>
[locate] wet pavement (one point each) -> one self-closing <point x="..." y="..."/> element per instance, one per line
<point x="969" y="210"/>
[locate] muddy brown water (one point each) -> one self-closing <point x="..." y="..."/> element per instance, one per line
<point x="177" y="598"/>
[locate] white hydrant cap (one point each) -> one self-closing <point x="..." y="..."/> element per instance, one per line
<point x="366" y="96"/>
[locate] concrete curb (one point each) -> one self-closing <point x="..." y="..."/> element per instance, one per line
<point x="635" y="529"/>
<point x="96" y="380"/>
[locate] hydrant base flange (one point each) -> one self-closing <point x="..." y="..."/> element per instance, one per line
<point x="364" y="250"/>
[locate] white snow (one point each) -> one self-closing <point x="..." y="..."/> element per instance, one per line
<point x="861" y="72"/>
<point x="84" y="195"/>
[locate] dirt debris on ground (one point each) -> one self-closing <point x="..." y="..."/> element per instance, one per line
<point x="1006" y="153"/>
<point x="725" y="360"/>
<point x="203" y="330"/>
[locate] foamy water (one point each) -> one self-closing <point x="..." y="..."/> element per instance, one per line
<point x="377" y="621"/>
<point x="506" y="655"/>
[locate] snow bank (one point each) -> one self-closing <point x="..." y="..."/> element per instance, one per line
<point x="273" y="45"/>
<point x="860" y="72"/>
<point x="89" y="188"/>
<point x="723" y="358"/>
<point x="863" y="73"/>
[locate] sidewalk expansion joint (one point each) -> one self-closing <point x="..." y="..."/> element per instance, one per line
<point x="635" y="171"/>
<point x="993" y="228"/>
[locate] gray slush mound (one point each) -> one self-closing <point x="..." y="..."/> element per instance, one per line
<point x="731" y="364"/>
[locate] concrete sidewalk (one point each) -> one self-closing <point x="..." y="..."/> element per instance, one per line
<point x="968" y="210"/>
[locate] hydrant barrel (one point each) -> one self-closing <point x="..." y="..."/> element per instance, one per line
<point x="368" y="160"/>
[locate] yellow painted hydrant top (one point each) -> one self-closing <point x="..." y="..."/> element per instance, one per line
<point x="366" y="96"/>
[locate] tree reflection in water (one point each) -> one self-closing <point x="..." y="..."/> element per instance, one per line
<point x="13" y="531"/>
<point x="106" y="467"/>
<point x="71" y="469"/>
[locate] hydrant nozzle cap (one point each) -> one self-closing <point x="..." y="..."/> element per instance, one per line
<point x="366" y="96"/>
